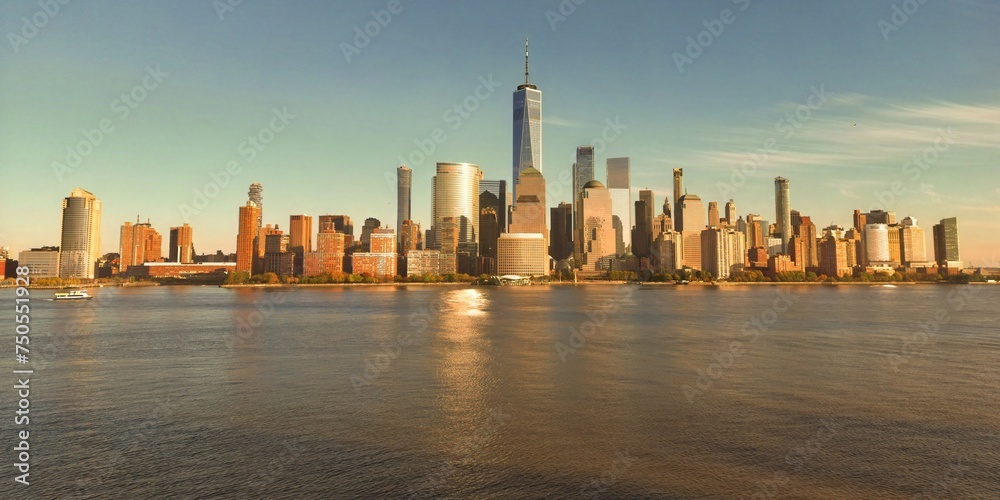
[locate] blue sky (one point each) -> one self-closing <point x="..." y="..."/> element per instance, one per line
<point x="925" y="87"/>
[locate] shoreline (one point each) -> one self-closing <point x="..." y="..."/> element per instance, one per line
<point x="554" y="283"/>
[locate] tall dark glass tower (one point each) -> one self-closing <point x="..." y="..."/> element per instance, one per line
<point x="404" y="184"/>
<point x="527" y="126"/>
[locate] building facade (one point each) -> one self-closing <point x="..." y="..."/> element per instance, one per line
<point x="81" y="235"/>
<point x="522" y="254"/>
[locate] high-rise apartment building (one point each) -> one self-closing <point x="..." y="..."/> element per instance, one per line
<point x="381" y="261"/>
<point x="330" y="252"/>
<point x="139" y="243"/>
<point x="182" y="244"/>
<point x="277" y="258"/>
<point x="246" y="237"/>
<point x="81" y="235"/>
<point x="723" y="251"/>
<point x="527" y="126"/>
<point x="300" y="231"/>
<point x="783" y="211"/>
<point x="412" y="237"/>
<point x="341" y="224"/>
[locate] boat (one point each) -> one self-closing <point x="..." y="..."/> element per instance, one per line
<point x="74" y="295"/>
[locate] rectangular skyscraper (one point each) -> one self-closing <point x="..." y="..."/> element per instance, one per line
<point x="181" y="244"/>
<point x="619" y="185"/>
<point x="946" y="243"/>
<point x="404" y="183"/>
<point x="527" y="126"/>
<point x="583" y="172"/>
<point x="783" y="211"/>
<point x="498" y="190"/>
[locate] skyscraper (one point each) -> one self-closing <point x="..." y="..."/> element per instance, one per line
<point x="246" y="238"/>
<point x="498" y="190"/>
<point x="300" y="228"/>
<point x="783" y="211"/>
<point x="404" y="182"/>
<point x="731" y="213"/>
<point x="641" y="242"/>
<point x="876" y="244"/>
<point x="81" y="235"/>
<point x="456" y="195"/>
<point x="529" y="211"/>
<point x="713" y="214"/>
<point x="139" y="243"/>
<point x="596" y="234"/>
<point x="647" y="196"/>
<point x="678" y="191"/>
<point x="561" y="234"/>
<point x="619" y="185"/>
<point x="371" y="224"/>
<point x="489" y="235"/>
<point x="583" y="172"/>
<point x="527" y="125"/>
<point x="181" y="244"/>
<point x="946" y="243"/>
<point x="913" y="242"/>
<point x="691" y="220"/>
<point x="341" y="224"/>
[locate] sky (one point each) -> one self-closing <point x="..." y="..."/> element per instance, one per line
<point x="861" y="104"/>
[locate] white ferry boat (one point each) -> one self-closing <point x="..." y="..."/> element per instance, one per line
<point x="74" y="295"/>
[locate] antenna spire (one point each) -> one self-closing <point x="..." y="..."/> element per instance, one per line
<point x="526" y="60"/>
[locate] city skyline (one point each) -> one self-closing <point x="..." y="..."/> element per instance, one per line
<point x="878" y="121"/>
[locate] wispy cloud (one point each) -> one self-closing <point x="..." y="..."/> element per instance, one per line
<point x="854" y="130"/>
<point x="555" y="121"/>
